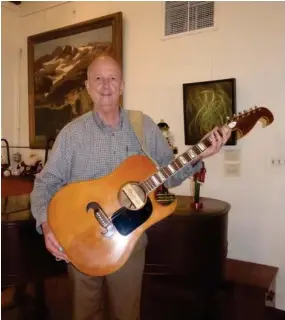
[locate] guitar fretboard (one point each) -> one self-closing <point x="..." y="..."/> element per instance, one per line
<point x="162" y="175"/>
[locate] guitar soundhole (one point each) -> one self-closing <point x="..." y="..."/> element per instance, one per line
<point x="132" y="196"/>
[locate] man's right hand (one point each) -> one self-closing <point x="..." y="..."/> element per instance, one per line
<point x="51" y="243"/>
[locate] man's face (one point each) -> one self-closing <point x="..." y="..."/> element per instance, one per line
<point x="104" y="84"/>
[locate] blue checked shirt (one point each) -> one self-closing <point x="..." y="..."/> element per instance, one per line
<point x="86" y="148"/>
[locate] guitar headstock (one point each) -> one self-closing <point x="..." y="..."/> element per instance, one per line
<point x="243" y="122"/>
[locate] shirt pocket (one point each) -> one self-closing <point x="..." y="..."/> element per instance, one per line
<point x="81" y="166"/>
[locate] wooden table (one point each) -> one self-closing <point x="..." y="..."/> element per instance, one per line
<point x="13" y="186"/>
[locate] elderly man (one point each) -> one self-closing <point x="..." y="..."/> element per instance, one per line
<point x="92" y="146"/>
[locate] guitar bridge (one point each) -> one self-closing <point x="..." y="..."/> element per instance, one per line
<point x="102" y="219"/>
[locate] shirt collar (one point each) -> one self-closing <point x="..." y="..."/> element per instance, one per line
<point x="104" y="127"/>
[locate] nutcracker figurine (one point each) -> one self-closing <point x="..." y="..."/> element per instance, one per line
<point x="197" y="180"/>
<point x="164" y="127"/>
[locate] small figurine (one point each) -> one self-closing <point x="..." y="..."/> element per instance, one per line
<point x="16" y="171"/>
<point x="7" y="172"/>
<point x="17" y="157"/>
<point x="164" y="127"/>
<point x="31" y="167"/>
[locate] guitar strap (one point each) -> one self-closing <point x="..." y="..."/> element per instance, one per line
<point x="136" y="118"/>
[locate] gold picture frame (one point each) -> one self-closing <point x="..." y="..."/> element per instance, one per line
<point x="57" y="63"/>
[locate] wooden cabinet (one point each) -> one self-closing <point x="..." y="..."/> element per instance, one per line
<point x="185" y="262"/>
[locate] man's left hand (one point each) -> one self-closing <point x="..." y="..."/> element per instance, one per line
<point x="217" y="141"/>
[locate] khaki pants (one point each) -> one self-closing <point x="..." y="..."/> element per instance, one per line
<point x="114" y="297"/>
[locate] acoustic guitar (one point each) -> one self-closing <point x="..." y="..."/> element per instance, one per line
<point x="99" y="221"/>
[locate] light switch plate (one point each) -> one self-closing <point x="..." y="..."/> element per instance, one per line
<point x="232" y="169"/>
<point x="233" y="155"/>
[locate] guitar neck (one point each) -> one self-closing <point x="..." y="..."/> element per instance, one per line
<point x="165" y="173"/>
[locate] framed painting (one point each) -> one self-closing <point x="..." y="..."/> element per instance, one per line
<point x="207" y="105"/>
<point x="57" y="65"/>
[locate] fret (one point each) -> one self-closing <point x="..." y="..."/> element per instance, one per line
<point x="196" y="150"/>
<point x="152" y="184"/>
<point x="167" y="172"/>
<point x="148" y="187"/>
<point x="155" y="181"/>
<point x="178" y="164"/>
<point x="187" y="157"/>
<point x="183" y="160"/>
<point x="175" y="165"/>
<point x="201" y="146"/>
<point x="207" y="142"/>
<point x="145" y="187"/>
<point x="170" y="167"/>
<point x="156" y="176"/>
<point x="161" y="176"/>
<point x="148" y="182"/>
<point x="192" y="154"/>
<point x="152" y="187"/>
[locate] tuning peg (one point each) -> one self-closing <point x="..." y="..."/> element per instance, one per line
<point x="239" y="113"/>
<point x="244" y="111"/>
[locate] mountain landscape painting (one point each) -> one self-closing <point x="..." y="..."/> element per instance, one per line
<point x="58" y="80"/>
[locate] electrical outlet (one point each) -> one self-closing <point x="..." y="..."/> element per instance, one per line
<point x="277" y="162"/>
<point x="232" y="169"/>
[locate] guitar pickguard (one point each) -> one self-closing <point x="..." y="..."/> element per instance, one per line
<point x="126" y="221"/>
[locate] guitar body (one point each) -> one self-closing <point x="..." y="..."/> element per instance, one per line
<point x="77" y="216"/>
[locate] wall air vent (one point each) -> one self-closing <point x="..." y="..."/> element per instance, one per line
<point x="188" y="16"/>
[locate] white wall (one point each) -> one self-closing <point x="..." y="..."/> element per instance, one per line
<point x="248" y="44"/>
